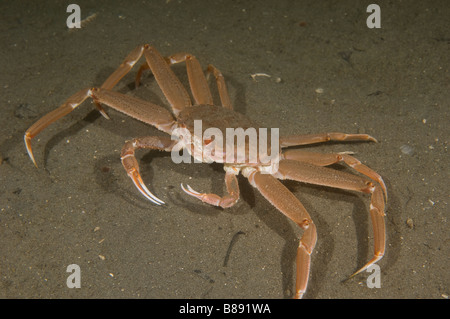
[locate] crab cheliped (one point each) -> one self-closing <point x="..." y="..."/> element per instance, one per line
<point x="293" y="164"/>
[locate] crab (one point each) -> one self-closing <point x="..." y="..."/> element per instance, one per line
<point x="292" y="164"/>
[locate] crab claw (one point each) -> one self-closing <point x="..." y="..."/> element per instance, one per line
<point x="222" y="201"/>
<point x="191" y="192"/>
<point x="137" y="180"/>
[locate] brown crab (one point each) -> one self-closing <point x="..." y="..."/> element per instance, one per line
<point x="299" y="165"/>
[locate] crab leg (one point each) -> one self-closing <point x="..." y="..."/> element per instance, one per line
<point x="295" y="140"/>
<point x="51" y="117"/>
<point x="320" y="159"/>
<point x="226" y="201"/>
<point x="142" y="110"/>
<point x="309" y="173"/>
<point x="124" y="68"/>
<point x="280" y="197"/>
<point x="172" y="88"/>
<point x="141" y="70"/>
<point x="131" y="165"/>
<point x="197" y="81"/>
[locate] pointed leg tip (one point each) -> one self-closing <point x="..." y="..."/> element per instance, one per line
<point x="384" y="188"/>
<point x="137" y="180"/>
<point x="359" y="271"/>
<point x="371" y="262"/>
<point x="103" y="112"/>
<point x="191" y="192"/>
<point x="27" y="140"/>
<point x="30" y="154"/>
<point x="151" y="197"/>
<point x="188" y="190"/>
<point x="100" y="108"/>
<point x="299" y="295"/>
<point x="354" y="274"/>
<point x="137" y="80"/>
<point x="105" y="115"/>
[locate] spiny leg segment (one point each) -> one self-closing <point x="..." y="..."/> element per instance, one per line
<point x="225" y="201"/>
<point x="318" y="175"/>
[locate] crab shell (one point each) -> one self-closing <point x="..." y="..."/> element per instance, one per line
<point x="216" y="134"/>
